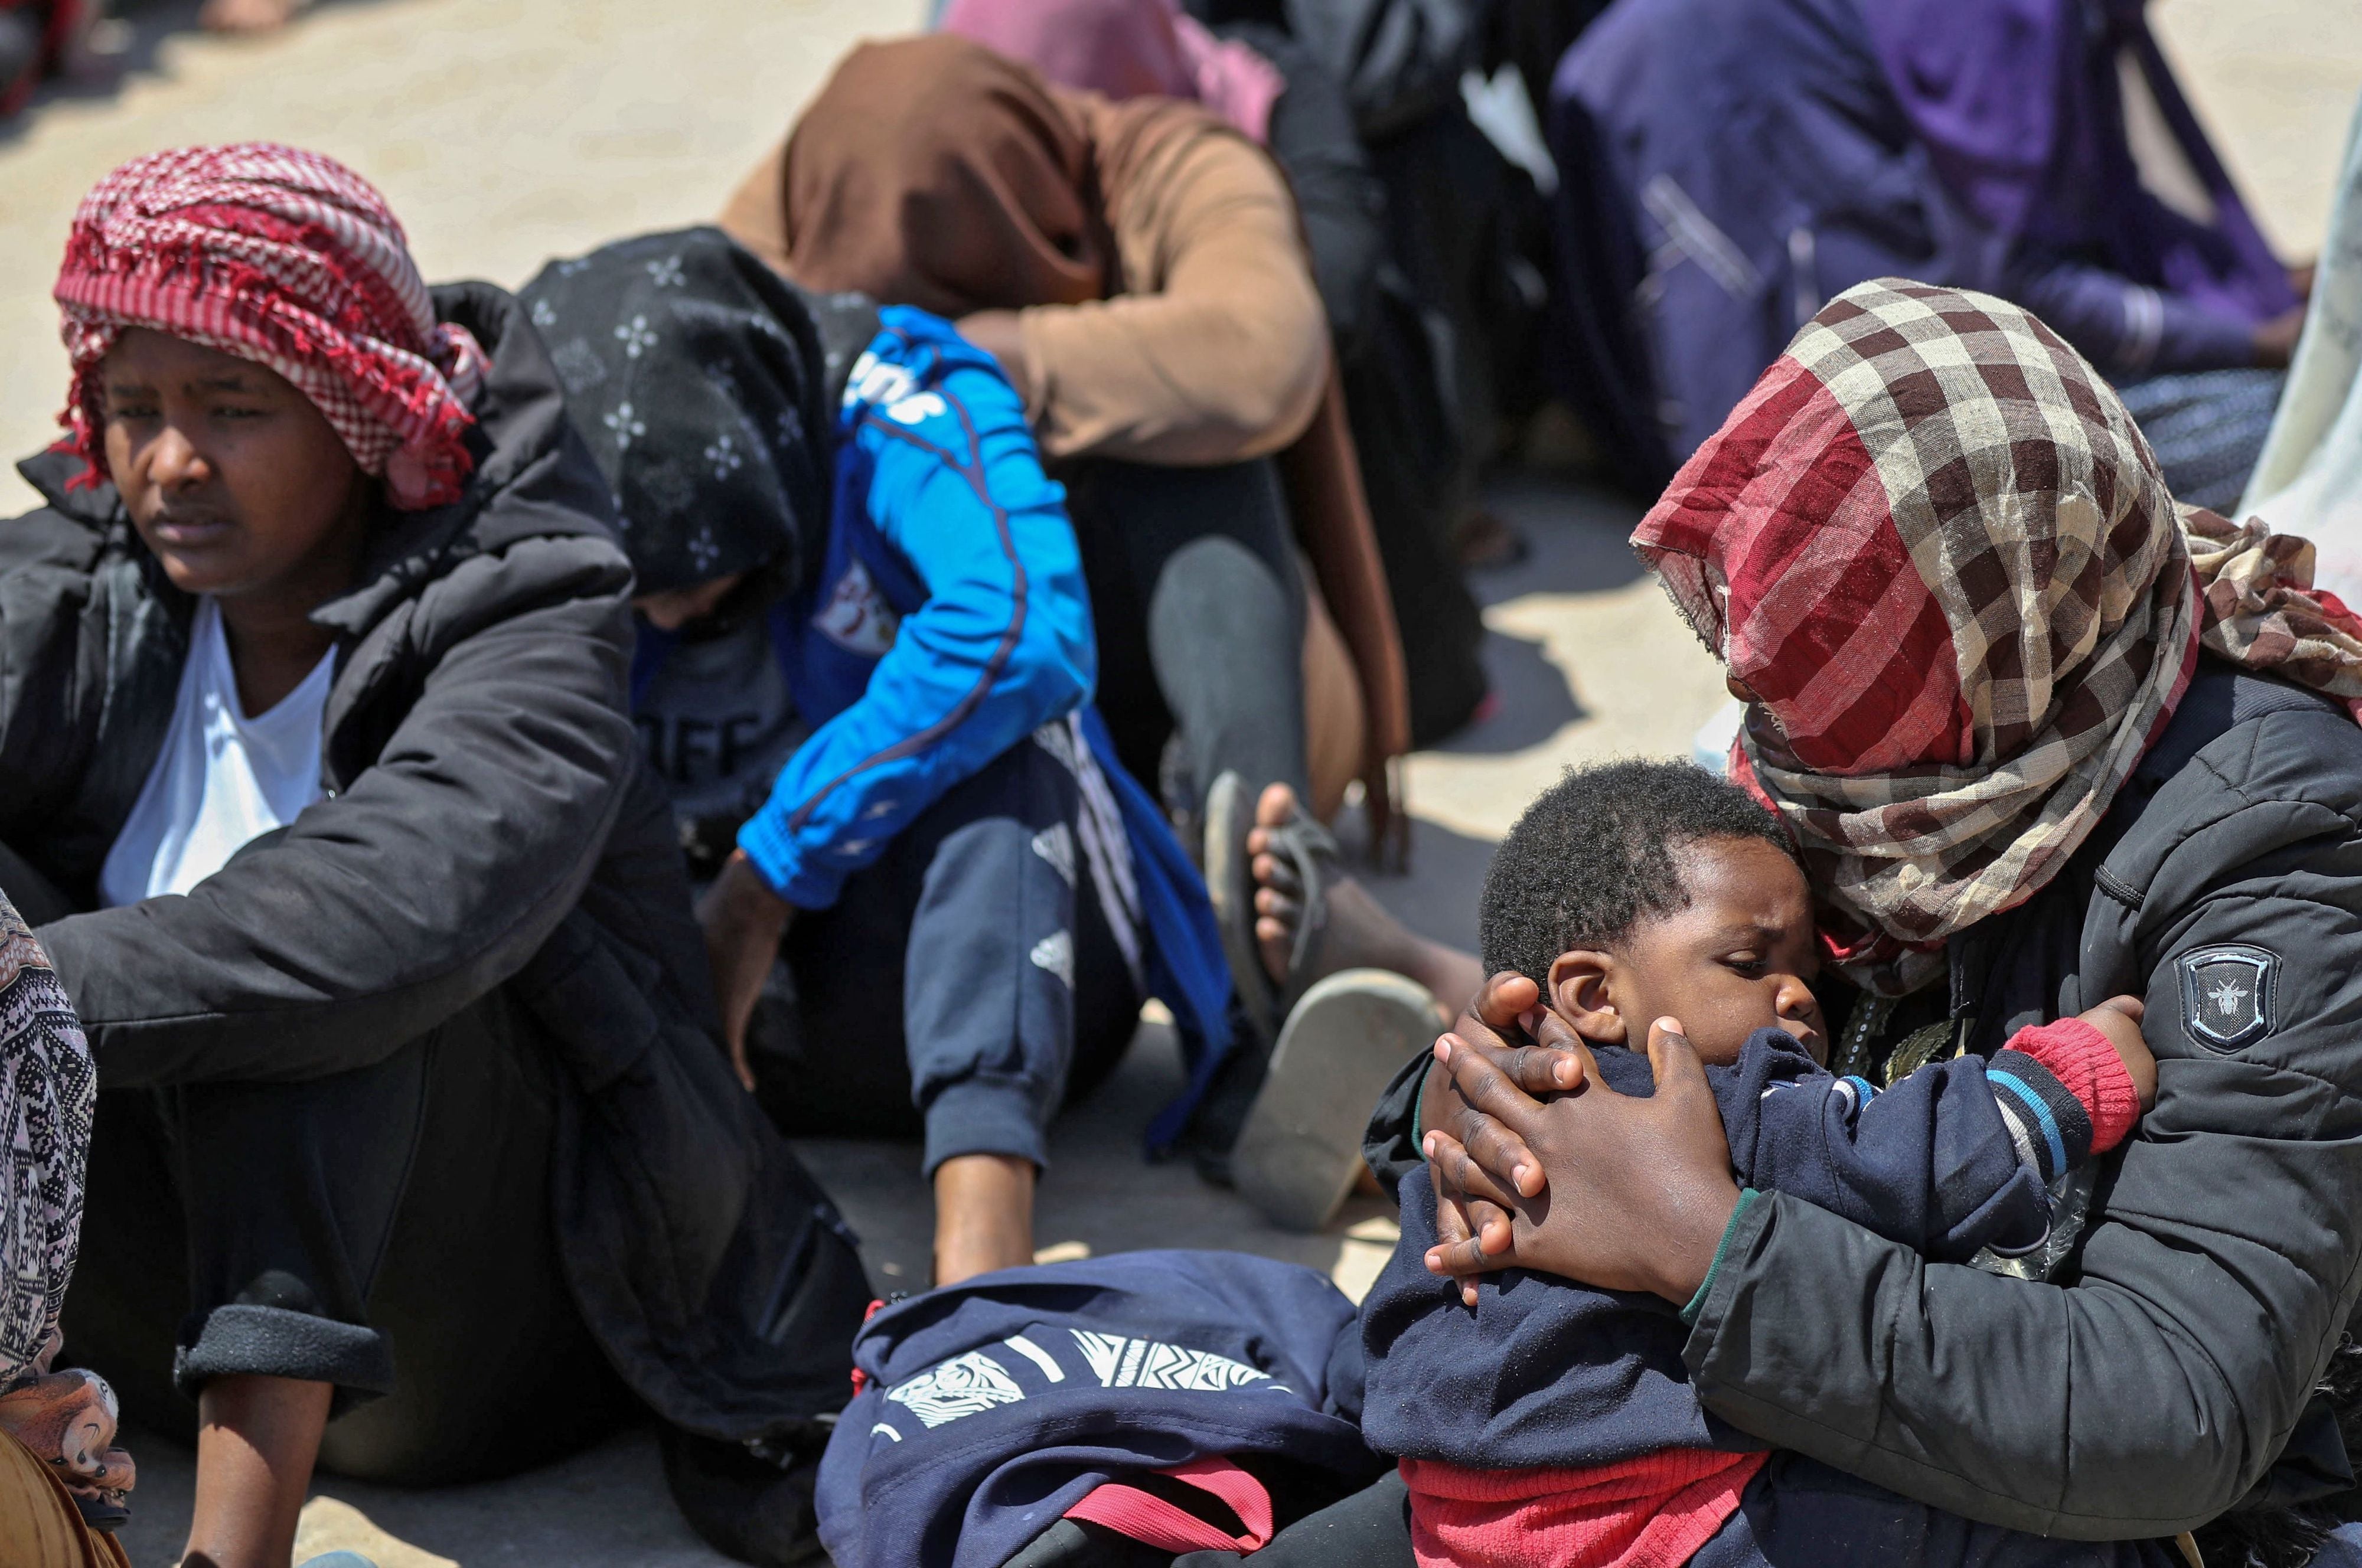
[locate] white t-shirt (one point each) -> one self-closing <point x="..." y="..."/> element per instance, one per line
<point x="222" y="778"/>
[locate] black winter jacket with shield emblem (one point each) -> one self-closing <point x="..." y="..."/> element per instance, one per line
<point x="487" y="821"/>
<point x="2167" y="1352"/>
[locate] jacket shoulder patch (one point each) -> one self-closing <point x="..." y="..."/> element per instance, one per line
<point x="2229" y="994"/>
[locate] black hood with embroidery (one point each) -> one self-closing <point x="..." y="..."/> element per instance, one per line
<point x="696" y="375"/>
<point x="487" y="822"/>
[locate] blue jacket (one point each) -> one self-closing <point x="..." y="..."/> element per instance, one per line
<point x="948" y="622"/>
<point x="1545" y="1372"/>
<point x="988" y="1408"/>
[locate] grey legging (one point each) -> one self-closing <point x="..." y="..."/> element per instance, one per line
<point x="1200" y="619"/>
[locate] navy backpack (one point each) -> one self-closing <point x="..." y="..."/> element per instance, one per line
<point x="1181" y="1400"/>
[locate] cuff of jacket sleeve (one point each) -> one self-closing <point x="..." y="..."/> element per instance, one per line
<point x="2082" y="1060"/>
<point x="1418" y="1111"/>
<point x="2195" y="339"/>
<point x="987" y="1116"/>
<point x="783" y="865"/>
<point x="2049" y="1124"/>
<point x="1746" y="1197"/>
<point x="275" y="1341"/>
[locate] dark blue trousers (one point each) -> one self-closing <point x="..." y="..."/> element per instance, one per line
<point x="1798" y="1511"/>
<point x="963" y="985"/>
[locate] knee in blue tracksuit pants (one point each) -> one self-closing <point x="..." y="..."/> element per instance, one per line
<point x="982" y="930"/>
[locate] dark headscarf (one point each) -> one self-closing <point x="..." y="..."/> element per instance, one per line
<point x="695" y="372"/>
<point x="2021" y="109"/>
<point x="934" y="172"/>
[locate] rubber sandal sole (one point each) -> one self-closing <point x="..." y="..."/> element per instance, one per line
<point x="1300" y="1148"/>
<point x="1230" y="886"/>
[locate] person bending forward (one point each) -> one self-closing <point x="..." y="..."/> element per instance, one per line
<point x="864" y="655"/>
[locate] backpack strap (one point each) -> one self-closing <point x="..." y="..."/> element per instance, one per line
<point x="1149" y="1518"/>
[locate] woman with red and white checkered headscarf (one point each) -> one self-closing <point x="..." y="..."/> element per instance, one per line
<point x="291" y="260"/>
<point x="318" y="784"/>
<point x="1936" y="554"/>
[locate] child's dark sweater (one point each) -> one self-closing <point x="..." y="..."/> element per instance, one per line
<point x="1545" y="1372"/>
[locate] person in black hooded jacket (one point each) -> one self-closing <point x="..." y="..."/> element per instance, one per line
<point x="932" y="898"/>
<point x="2177" y="815"/>
<point x="406" y="1040"/>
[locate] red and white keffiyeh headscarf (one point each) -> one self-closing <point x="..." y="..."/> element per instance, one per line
<point x="288" y="258"/>
<point x="1934" y="546"/>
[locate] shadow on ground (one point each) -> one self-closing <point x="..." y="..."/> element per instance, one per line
<point x="1577" y="531"/>
<point x="604" y="1508"/>
<point x="1529" y="701"/>
<point x="1437" y="897"/>
<point x="134" y="33"/>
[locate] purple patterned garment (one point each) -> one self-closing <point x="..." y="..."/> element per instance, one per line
<point x="48" y="1088"/>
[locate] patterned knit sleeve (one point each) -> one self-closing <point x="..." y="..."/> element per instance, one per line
<point x="48" y="1089"/>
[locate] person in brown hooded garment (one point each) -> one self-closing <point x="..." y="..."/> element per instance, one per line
<point x="1139" y="271"/>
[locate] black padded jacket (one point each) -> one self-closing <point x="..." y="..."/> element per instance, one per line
<point x="487" y="821"/>
<point x="2167" y="1354"/>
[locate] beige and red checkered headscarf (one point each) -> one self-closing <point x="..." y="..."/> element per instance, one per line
<point x="288" y="258"/>
<point x="1934" y="546"/>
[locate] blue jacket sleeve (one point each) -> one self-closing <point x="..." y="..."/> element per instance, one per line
<point x="943" y="469"/>
<point x="1930" y="1163"/>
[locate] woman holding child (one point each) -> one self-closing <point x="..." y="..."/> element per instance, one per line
<point x="2037" y="737"/>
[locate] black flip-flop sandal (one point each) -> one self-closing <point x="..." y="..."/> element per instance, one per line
<point x="105" y="1512"/>
<point x="1310" y="862"/>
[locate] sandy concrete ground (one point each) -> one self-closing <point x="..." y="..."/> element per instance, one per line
<point x="506" y="131"/>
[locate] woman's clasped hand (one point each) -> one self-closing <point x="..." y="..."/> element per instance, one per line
<point x="1537" y="1165"/>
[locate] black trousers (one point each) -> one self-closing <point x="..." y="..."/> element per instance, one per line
<point x="982" y="934"/>
<point x="388" y="1231"/>
<point x="1199" y="613"/>
<point x="1369" y="1529"/>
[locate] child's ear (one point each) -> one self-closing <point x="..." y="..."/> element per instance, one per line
<point x="1583" y="992"/>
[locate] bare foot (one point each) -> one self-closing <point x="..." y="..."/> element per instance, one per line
<point x="1360" y="933"/>
<point x="250" y="17"/>
<point x="984" y="1214"/>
